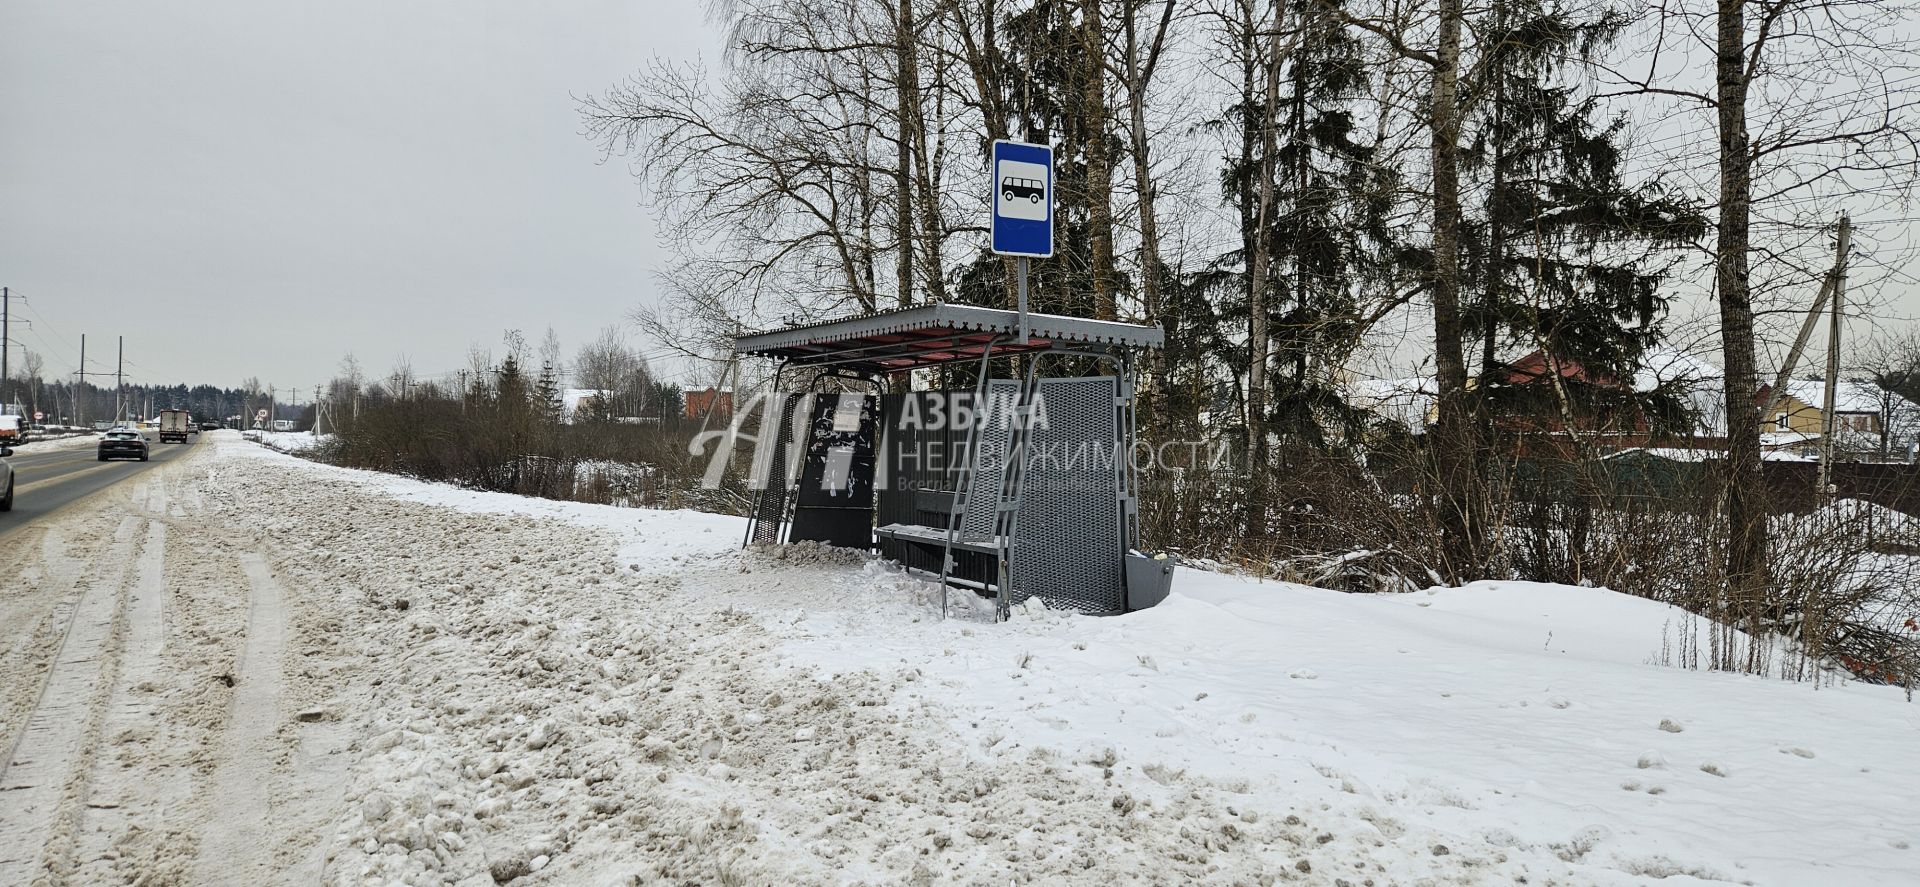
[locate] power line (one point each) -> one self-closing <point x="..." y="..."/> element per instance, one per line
<point x="1831" y="99"/>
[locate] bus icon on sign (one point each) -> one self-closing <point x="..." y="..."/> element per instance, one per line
<point x="1023" y="191"/>
<point x="1015" y="189"/>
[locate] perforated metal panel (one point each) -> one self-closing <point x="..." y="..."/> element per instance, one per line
<point x="991" y="435"/>
<point x="1068" y="538"/>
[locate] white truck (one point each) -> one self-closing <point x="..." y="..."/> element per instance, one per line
<point x="175" y="425"/>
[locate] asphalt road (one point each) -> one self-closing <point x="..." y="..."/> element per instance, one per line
<point x="44" y="483"/>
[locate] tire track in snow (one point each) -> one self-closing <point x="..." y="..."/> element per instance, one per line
<point x="121" y="796"/>
<point x="242" y="850"/>
<point x="50" y="584"/>
<point x="43" y="779"/>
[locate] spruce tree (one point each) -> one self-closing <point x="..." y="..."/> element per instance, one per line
<point x="546" y="393"/>
<point x="1560" y="255"/>
<point x="1330" y="237"/>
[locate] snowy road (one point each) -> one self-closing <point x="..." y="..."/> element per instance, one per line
<point x="53" y="474"/>
<point x="122" y="650"/>
<point x="242" y="668"/>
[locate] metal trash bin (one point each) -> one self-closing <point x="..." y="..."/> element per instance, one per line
<point x="1148" y="580"/>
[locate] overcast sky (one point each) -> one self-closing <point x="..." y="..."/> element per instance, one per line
<point x="255" y="189"/>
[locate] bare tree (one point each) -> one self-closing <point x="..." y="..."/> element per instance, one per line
<point x="1891" y="364"/>
<point x="1807" y="106"/>
<point x="1096" y="124"/>
<point x="1454" y="437"/>
<point x="1143" y="43"/>
<point x="619" y="376"/>
<point x="1258" y="285"/>
<point x="31" y="366"/>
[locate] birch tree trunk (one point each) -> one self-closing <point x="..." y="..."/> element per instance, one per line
<point x="1139" y="67"/>
<point x="1257" y="273"/>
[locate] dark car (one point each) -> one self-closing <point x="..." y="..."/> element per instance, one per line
<point x="123" y="445"/>
<point x="210" y="426"/>
<point x="6" y="472"/>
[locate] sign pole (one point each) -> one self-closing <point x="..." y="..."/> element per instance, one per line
<point x="1021" y="274"/>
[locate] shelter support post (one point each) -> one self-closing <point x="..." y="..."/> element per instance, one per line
<point x="962" y="490"/>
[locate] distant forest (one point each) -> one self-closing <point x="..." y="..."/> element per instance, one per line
<point x="67" y="403"/>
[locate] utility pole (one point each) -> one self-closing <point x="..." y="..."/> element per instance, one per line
<point x="1833" y="359"/>
<point x="120" y="383"/>
<point x="6" y="338"/>
<point x="79" y="404"/>
<point x="1827" y="286"/>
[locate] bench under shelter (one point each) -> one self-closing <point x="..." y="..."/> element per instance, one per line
<point x="1013" y="486"/>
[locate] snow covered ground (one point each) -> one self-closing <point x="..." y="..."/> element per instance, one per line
<point x="479" y="688"/>
<point x="64" y="442"/>
<point x="294" y="442"/>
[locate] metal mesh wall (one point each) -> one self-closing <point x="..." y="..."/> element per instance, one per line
<point x="1068" y="545"/>
<point x="771" y="509"/>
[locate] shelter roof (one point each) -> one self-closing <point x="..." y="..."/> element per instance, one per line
<point x="929" y="335"/>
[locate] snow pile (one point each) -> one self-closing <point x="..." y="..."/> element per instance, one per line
<point x="584" y="694"/>
<point x="52" y="444"/>
<point x="290" y="442"/>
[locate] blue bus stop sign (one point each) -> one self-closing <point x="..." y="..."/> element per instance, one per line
<point x="1022" y="199"/>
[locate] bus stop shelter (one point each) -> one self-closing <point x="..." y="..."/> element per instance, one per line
<point x="1021" y="486"/>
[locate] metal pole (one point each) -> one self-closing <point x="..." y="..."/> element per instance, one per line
<point x="6" y="338"/>
<point x="80" y="393"/>
<point x="1020" y="272"/>
<point x="963" y="489"/>
<point x="1013" y="490"/>
<point x="1833" y="358"/>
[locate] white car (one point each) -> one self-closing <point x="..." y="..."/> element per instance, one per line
<point x="6" y="471"/>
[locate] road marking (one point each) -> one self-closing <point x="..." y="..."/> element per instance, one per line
<point x="80" y="468"/>
<point x="48" y="481"/>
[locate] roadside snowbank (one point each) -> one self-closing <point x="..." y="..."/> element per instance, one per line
<point x="57" y="444"/>
<point x="290" y="442"/>
<point x="584" y="694"/>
